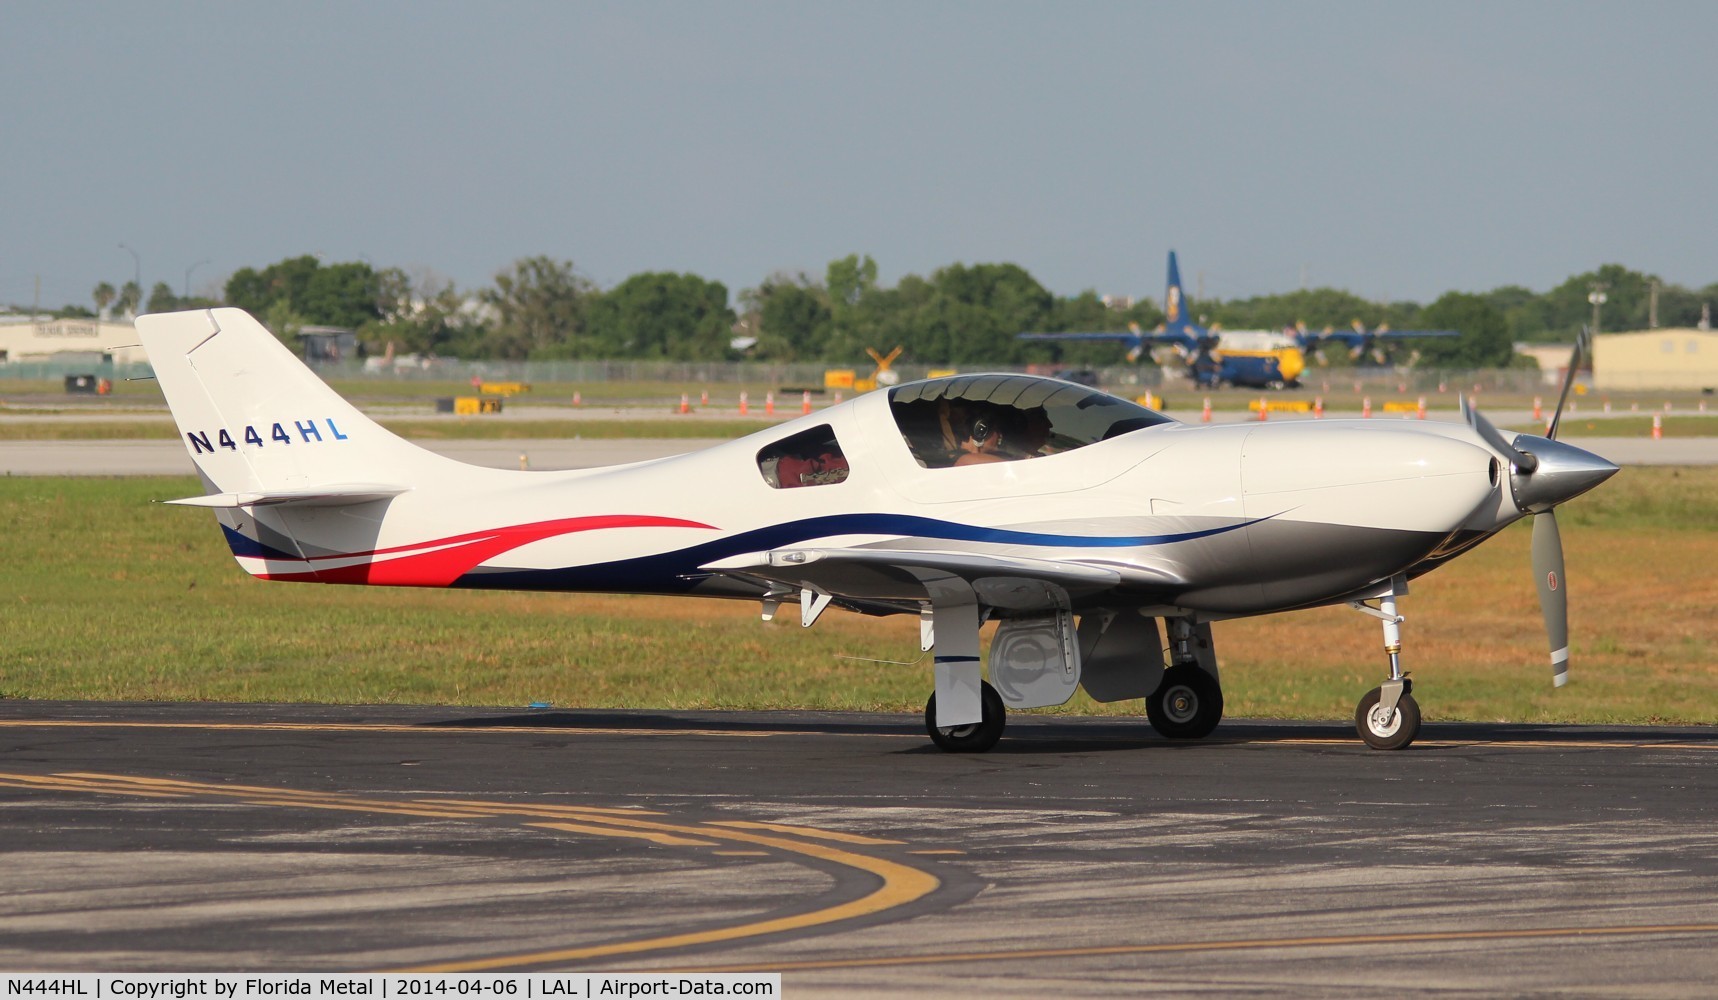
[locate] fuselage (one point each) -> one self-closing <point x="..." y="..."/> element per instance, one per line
<point x="1221" y="520"/>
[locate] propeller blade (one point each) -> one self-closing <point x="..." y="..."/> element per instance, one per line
<point x="1568" y="383"/>
<point x="1553" y="599"/>
<point x="1523" y="461"/>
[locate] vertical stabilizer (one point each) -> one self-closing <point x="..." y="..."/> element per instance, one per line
<point x="1174" y="300"/>
<point x="255" y="420"/>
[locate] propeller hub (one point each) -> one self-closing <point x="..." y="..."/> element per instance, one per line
<point x="1561" y="473"/>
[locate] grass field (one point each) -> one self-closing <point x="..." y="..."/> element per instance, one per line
<point x="108" y="596"/>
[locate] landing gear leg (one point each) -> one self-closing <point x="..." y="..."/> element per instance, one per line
<point x="965" y="714"/>
<point x="1388" y="717"/>
<point x="1188" y="703"/>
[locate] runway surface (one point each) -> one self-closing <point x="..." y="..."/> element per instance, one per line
<point x="1083" y="857"/>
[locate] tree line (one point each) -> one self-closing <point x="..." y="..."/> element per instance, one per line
<point x="960" y="315"/>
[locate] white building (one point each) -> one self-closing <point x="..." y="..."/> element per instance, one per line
<point x="36" y="338"/>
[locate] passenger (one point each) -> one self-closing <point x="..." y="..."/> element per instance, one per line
<point x="1028" y="433"/>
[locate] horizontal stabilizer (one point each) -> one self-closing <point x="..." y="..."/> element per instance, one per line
<point x="339" y="495"/>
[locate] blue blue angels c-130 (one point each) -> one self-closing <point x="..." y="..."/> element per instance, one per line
<point x="1251" y="359"/>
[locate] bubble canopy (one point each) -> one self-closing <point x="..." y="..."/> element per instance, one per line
<point x="973" y="419"/>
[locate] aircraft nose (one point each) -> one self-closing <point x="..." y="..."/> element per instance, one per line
<point x="1382" y="477"/>
<point x="1563" y="473"/>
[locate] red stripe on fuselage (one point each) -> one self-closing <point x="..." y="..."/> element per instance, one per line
<point x="456" y="555"/>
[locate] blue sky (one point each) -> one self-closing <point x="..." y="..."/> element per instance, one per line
<point x="1397" y="150"/>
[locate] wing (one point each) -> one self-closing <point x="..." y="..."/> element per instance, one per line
<point x="1361" y="338"/>
<point x="898" y="577"/>
<point x="1114" y="336"/>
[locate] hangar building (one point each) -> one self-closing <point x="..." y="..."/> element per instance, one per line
<point x="1656" y="359"/>
<point x="38" y="338"/>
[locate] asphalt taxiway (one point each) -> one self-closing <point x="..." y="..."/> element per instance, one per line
<point x="1081" y="857"/>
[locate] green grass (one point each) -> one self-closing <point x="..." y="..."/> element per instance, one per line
<point x="1634" y="425"/>
<point x="107" y="596"/>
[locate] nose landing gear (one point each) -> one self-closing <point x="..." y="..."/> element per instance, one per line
<point x="1388" y="717"/>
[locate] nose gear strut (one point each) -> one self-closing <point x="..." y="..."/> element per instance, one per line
<point x="1388" y="717"/>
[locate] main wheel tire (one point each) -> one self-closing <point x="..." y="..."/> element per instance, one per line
<point x="975" y="738"/>
<point x="1187" y="704"/>
<point x="1394" y="733"/>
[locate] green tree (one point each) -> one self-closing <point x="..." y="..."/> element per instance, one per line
<point x="343" y="295"/>
<point x="104" y="296"/>
<point x="791" y="315"/>
<point x="978" y="312"/>
<point x="1484" y="340"/>
<point x="1568" y="309"/>
<point x="540" y="307"/>
<point x="658" y="315"/>
<point x="854" y="308"/>
<point x="283" y="281"/>
<point x="162" y="299"/>
<point x="130" y="297"/>
<point x="282" y="321"/>
<point x="340" y="295"/>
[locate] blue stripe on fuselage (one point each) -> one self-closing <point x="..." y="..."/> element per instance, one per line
<point x="245" y="546"/>
<point x="678" y="572"/>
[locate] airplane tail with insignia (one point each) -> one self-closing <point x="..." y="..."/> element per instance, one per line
<point x="261" y="426"/>
<point x="1175" y="317"/>
<point x="268" y="436"/>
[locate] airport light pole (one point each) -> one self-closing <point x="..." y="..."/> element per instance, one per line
<point x="188" y="271"/>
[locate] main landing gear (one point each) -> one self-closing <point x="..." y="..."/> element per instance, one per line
<point x="1388" y="717"/>
<point x="975" y="738"/>
<point x="1188" y="702"/>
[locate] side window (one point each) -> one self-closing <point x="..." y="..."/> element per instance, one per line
<point x="809" y="458"/>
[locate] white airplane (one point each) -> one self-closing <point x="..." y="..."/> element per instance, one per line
<point x="1075" y="520"/>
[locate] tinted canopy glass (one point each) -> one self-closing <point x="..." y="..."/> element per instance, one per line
<point x="978" y="419"/>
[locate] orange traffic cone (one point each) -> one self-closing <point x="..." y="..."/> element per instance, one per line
<point x="744" y="407"/>
<point x="1318" y="408"/>
<point x="1657" y="427"/>
<point x="1205" y="414"/>
<point x="805" y="401"/>
<point x="1366" y="406"/>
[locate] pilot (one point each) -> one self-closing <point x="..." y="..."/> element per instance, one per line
<point x="983" y="443"/>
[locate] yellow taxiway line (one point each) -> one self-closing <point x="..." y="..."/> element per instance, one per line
<point x="898" y="883"/>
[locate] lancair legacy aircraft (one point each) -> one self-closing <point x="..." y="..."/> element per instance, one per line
<point x="1075" y="520"/>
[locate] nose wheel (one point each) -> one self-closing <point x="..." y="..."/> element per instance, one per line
<point x="1388" y="717"/>
<point x="1386" y="727"/>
